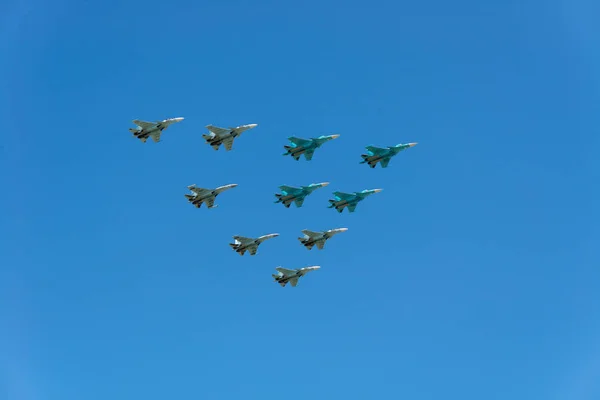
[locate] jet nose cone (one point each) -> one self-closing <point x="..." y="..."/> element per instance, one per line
<point x="315" y="267"/>
<point x="377" y="190"/>
<point x="412" y="144"/>
<point x="323" y="184"/>
<point x="343" y="229"/>
<point x="335" y="136"/>
<point x="250" y="126"/>
<point x="233" y="185"/>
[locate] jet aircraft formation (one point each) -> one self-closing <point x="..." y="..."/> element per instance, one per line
<point x="296" y="148"/>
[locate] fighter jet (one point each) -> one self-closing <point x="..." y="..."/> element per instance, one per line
<point x="383" y="154"/>
<point x="297" y="195"/>
<point x="299" y="146"/>
<point x="284" y="275"/>
<point x="243" y="244"/>
<point x="312" y="238"/>
<point x="225" y="136"/>
<point x="144" y="129"/>
<point x="200" y="195"/>
<point x="350" y="200"/>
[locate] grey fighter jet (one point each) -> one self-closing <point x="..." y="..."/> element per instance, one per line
<point x="284" y="275"/>
<point x="243" y="244"/>
<point x="200" y="195"/>
<point x="144" y="129"/>
<point x="224" y="136"/>
<point x="312" y="238"/>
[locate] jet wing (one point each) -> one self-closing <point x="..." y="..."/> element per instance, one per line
<point x="343" y="196"/>
<point x="252" y="249"/>
<point x="288" y="189"/>
<point x="155" y="136"/>
<point x="217" y="131"/>
<point x="320" y="244"/>
<point x="310" y="233"/>
<point x="144" y="124"/>
<point x="228" y="143"/>
<point x="285" y="271"/>
<point x="243" y="240"/>
<point x="308" y="154"/>
<point x="384" y="162"/>
<point x="375" y="149"/>
<point x="299" y="141"/>
<point x="287" y="203"/>
<point x="293" y="282"/>
<point x="351" y="207"/>
<point x="200" y="191"/>
<point x="210" y="202"/>
<point x="299" y="201"/>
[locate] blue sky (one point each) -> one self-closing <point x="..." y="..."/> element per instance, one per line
<point x="472" y="275"/>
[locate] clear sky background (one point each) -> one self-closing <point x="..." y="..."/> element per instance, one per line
<point x="473" y="275"/>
